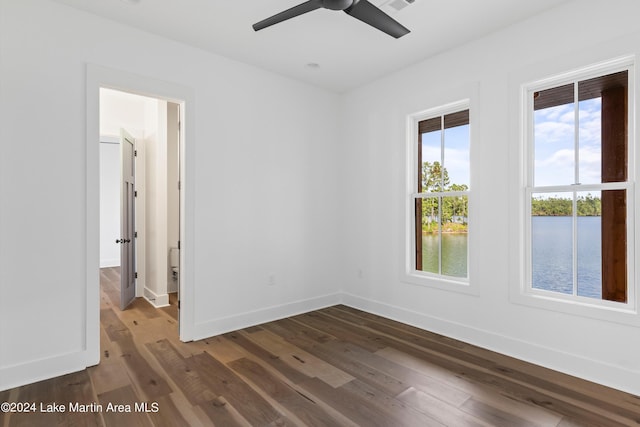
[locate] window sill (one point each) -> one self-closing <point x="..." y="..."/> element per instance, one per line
<point x="443" y="283"/>
<point x="622" y="313"/>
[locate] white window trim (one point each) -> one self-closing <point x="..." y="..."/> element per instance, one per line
<point x="625" y="313"/>
<point x="410" y="274"/>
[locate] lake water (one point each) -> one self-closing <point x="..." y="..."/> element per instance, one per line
<point x="552" y="254"/>
<point x="552" y="243"/>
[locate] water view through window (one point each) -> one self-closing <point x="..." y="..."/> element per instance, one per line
<point x="577" y="188"/>
<point x="442" y="205"/>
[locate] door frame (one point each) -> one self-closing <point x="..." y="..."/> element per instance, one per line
<point x="103" y="77"/>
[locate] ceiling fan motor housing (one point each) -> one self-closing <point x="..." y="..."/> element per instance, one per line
<point x="338" y="4"/>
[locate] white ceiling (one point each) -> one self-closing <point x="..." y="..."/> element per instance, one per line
<point x="349" y="52"/>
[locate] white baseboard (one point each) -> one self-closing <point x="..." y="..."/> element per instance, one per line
<point x="156" y="300"/>
<point x="572" y="364"/>
<point x="115" y="262"/>
<point x="252" y="318"/>
<point x="43" y="369"/>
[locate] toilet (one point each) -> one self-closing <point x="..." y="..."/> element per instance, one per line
<point x="174" y="260"/>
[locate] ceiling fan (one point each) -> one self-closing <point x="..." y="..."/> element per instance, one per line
<point x="359" y="9"/>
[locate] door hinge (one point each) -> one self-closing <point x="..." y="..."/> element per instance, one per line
<point x="135" y="234"/>
<point x="136" y="275"/>
<point x="178" y="303"/>
<point x="178" y="244"/>
<point x="179" y="185"/>
<point x="135" y="194"/>
<point x="135" y="153"/>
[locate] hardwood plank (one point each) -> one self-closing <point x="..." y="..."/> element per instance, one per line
<point x="192" y="386"/>
<point x="303" y="407"/>
<point x="494" y="416"/>
<point x="58" y="392"/>
<point x="221" y="413"/>
<point x="301" y="360"/>
<point x="4" y="417"/>
<point x="272" y="360"/>
<point x="122" y="417"/>
<point x="225" y="382"/>
<point x="219" y="347"/>
<point x="287" y="327"/>
<point x="108" y="375"/>
<point x="194" y="415"/>
<point x="76" y="388"/>
<point x="440" y="389"/>
<point x="525" y="410"/>
<point x="113" y="326"/>
<point x="439" y="410"/>
<point x="353" y="408"/>
<point x="144" y="377"/>
<point x="168" y="414"/>
<point x="340" y="331"/>
<point x="368" y="374"/>
<point x="397" y="412"/>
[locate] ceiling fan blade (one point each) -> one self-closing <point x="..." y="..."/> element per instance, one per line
<point x="370" y="14"/>
<point x="305" y="7"/>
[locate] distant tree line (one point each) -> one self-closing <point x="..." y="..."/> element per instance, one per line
<point x="556" y="206"/>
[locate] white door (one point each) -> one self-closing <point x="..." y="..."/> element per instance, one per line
<point x="127" y="220"/>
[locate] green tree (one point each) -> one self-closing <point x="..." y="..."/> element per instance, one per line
<point x="459" y="204"/>
<point x="589" y="205"/>
<point x="434" y="179"/>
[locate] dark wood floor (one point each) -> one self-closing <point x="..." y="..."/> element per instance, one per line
<point x="332" y="367"/>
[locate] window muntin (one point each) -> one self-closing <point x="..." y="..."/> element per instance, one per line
<point x="578" y="188"/>
<point x="442" y="201"/>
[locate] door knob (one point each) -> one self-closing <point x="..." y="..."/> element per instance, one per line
<point x="119" y="240"/>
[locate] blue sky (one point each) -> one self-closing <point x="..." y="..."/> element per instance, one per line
<point x="456" y="152"/>
<point x="554" y="150"/>
<point x="554" y="144"/>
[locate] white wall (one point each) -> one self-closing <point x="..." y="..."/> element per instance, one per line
<point x="173" y="195"/>
<point x="264" y="193"/>
<point x="109" y="203"/>
<point x="155" y="195"/>
<point x="374" y="177"/>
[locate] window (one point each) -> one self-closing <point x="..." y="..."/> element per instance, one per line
<point x="440" y="193"/>
<point x="579" y="192"/>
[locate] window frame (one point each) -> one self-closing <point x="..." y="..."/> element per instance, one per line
<point x="410" y="273"/>
<point x="610" y="310"/>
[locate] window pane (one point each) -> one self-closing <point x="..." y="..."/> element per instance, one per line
<point x="456" y="157"/>
<point x="552" y="242"/>
<point x="454" y="236"/>
<point x="430" y="235"/>
<point x="590" y="154"/>
<point x="430" y="161"/>
<point x="554" y="142"/>
<point x="589" y="245"/>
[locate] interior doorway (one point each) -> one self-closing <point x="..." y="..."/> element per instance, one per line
<point x="140" y="145"/>
<point x="98" y="77"/>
